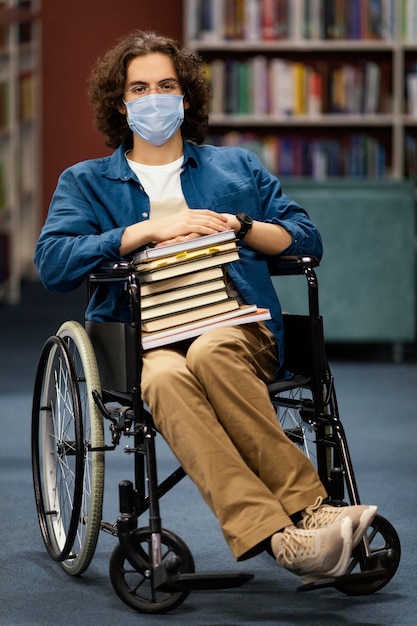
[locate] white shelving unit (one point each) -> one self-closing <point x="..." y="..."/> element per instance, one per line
<point x="395" y="49"/>
<point x="19" y="143"/>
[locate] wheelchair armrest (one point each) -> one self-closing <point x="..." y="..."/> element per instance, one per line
<point x="112" y="272"/>
<point x="117" y="272"/>
<point x="288" y="265"/>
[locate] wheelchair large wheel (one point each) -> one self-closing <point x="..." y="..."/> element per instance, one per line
<point x="371" y="570"/>
<point x="67" y="442"/>
<point x="295" y="413"/>
<point x="136" y="588"/>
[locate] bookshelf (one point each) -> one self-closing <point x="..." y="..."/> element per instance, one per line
<point x="19" y="143"/>
<point x="325" y="92"/>
<point x="316" y="88"/>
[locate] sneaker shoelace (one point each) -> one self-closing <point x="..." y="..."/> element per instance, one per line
<point x="296" y="546"/>
<point x="317" y="515"/>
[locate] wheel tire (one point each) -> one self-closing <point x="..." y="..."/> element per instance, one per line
<point x="135" y="588"/>
<point x="375" y="572"/>
<point x="66" y="425"/>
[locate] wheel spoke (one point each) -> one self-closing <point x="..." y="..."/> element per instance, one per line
<point x="135" y="588"/>
<point x="68" y="478"/>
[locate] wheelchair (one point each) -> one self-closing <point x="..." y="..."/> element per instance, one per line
<point x="90" y="375"/>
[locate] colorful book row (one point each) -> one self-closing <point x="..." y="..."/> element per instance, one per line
<point x="269" y="20"/>
<point x="282" y="87"/>
<point x="354" y="155"/>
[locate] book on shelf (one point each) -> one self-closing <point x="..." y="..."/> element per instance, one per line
<point x="189" y="316"/>
<point x="410" y="149"/>
<point x="411" y="87"/>
<point x="27" y="96"/>
<point x="259" y="93"/>
<point x="244" y="314"/>
<point x="181" y="293"/>
<point x="205" y="241"/>
<point x="281" y="87"/>
<point x="314" y="92"/>
<point x="216" y="72"/>
<point x="372" y="86"/>
<point x="187" y="266"/>
<point x="170" y="307"/>
<point x="180" y="282"/>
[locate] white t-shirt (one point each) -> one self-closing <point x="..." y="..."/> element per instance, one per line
<point x="163" y="185"/>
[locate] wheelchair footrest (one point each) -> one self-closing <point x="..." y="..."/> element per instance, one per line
<point x="345" y="581"/>
<point x="204" y="581"/>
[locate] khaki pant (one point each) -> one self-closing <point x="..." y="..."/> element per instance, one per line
<point x="211" y="404"/>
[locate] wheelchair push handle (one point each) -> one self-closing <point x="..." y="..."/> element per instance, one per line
<point x="112" y="272"/>
<point x="289" y="265"/>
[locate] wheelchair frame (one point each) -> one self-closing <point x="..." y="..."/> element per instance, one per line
<point x="90" y="375"/>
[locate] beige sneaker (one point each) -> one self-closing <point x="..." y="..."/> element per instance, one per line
<point x="320" y="515"/>
<point x="314" y="555"/>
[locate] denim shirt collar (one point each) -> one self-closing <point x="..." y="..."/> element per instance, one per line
<point x="118" y="167"/>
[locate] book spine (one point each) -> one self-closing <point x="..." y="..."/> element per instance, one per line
<point x="269" y="19"/>
<point x="259" y="75"/>
<point x="252" y="20"/>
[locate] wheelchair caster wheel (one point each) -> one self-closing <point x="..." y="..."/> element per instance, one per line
<point x="136" y="588"/>
<point x="368" y="573"/>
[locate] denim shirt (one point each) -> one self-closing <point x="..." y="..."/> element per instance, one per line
<point x="96" y="200"/>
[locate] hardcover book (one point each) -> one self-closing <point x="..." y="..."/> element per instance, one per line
<point x="245" y="314"/>
<point x="189" y="266"/>
<point x="205" y="241"/>
<point x="190" y="316"/>
<point x="181" y="293"/>
<point x="180" y="282"/>
<point x="181" y="306"/>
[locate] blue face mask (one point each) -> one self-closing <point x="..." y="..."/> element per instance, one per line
<point x="155" y="118"/>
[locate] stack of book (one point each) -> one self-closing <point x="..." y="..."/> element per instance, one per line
<point x="183" y="289"/>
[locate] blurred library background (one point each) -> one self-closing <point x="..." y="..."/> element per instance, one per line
<point x="324" y="91"/>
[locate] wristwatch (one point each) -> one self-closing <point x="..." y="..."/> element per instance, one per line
<point x="246" y="224"/>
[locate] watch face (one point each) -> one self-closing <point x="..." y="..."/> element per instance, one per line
<point x="244" y="219"/>
<point x="245" y="224"/>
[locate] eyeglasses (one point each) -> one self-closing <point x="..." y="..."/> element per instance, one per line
<point x="138" y="90"/>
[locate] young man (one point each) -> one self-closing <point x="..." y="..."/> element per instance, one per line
<point x="208" y="397"/>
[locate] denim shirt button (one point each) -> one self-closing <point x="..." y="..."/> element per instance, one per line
<point x="145" y="214"/>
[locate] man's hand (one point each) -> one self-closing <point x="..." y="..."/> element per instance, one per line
<point x="187" y="224"/>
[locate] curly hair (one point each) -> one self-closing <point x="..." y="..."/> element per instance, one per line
<point x="107" y="85"/>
